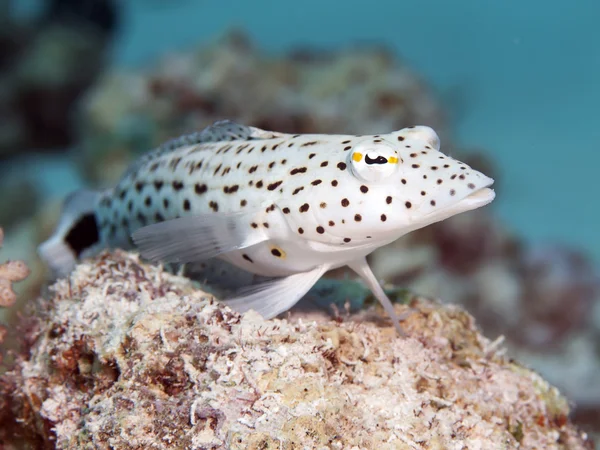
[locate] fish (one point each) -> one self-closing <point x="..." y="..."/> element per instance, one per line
<point x="281" y="208"/>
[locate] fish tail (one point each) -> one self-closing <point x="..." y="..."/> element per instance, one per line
<point x="77" y="232"/>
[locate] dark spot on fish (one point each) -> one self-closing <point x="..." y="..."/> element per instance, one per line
<point x="254" y="225"/>
<point x="276" y="252"/>
<point x="85" y="233"/>
<point x="273" y="186"/>
<point x="383" y="218"/>
<point x="154" y="166"/>
<point x="186" y="205"/>
<point x="408" y="205"/>
<point x="345" y="202"/>
<point x="308" y="144"/>
<point x="346" y="142"/>
<point x="341" y="166"/>
<point x="177" y="185"/>
<point x="320" y="229"/>
<point x="400" y="138"/>
<point x="252" y="169"/>
<point x="324" y="163"/>
<point x="130" y="205"/>
<point x="174" y="163"/>
<point x="142" y="219"/>
<point x="471" y="186"/>
<point x="217" y="169"/>
<point x="304" y="207"/>
<point x="297" y="190"/>
<point x="214" y="206"/>
<point x="266" y="225"/>
<point x="247" y="258"/>
<point x="166" y="203"/>
<point x="403" y="180"/>
<point x="364" y="189"/>
<point x="388" y="199"/>
<point x="139" y="186"/>
<point x="415" y="166"/>
<point x="271" y="164"/>
<point x="231" y="189"/>
<point x="158" y="184"/>
<point x="243" y="203"/>
<point x="200" y="188"/>
<point x="347" y="148"/>
<point x="298" y="170"/>
<point x="323" y="205"/>
<point x="158" y="217"/>
<point x="347" y="240"/>
<point x="148" y="201"/>
<point x="312" y="155"/>
<point x="357" y="217"/>
<point x="259" y="184"/>
<point x="331" y="223"/>
<point x="334" y="183"/>
<point x="432" y="202"/>
<point x="316" y="182"/>
<point x="452" y="192"/>
<point x="286" y="210"/>
<point x="300" y="230"/>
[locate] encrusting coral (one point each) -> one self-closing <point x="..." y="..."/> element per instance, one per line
<point x="10" y="272"/>
<point x="125" y="355"/>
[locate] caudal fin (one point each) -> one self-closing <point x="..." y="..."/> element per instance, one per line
<point x="77" y="233"/>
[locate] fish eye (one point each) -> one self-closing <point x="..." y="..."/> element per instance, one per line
<point x="374" y="163"/>
<point x="378" y="159"/>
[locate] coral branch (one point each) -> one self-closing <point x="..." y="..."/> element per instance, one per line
<point x="10" y="272"/>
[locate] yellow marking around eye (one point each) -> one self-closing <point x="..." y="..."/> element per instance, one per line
<point x="357" y="156"/>
<point x="393" y="160"/>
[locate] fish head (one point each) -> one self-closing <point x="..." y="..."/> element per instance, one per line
<point x="402" y="182"/>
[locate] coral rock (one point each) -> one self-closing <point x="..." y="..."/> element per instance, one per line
<point x="128" y="356"/>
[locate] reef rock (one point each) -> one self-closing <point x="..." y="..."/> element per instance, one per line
<point x="124" y="355"/>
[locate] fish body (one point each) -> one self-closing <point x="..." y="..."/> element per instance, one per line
<point x="287" y="207"/>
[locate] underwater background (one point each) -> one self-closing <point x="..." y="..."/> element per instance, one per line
<point x="512" y="87"/>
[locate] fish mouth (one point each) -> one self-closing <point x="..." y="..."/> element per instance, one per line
<point x="479" y="198"/>
<point x="476" y="199"/>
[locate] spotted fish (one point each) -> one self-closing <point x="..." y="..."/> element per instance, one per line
<point x="285" y="208"/>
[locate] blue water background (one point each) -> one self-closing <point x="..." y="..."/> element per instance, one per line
<point x="521" y="78"/>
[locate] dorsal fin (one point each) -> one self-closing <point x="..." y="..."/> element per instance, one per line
<point x="223" y="130"/>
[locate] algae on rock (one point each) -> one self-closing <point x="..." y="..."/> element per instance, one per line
<point x="125" y="355"/>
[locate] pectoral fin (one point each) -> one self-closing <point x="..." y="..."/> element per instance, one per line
<point x="196" y="238"/>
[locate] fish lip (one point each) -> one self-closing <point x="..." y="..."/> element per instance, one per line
<point x="476" y="199"/>
<point x="479" y="197"/>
